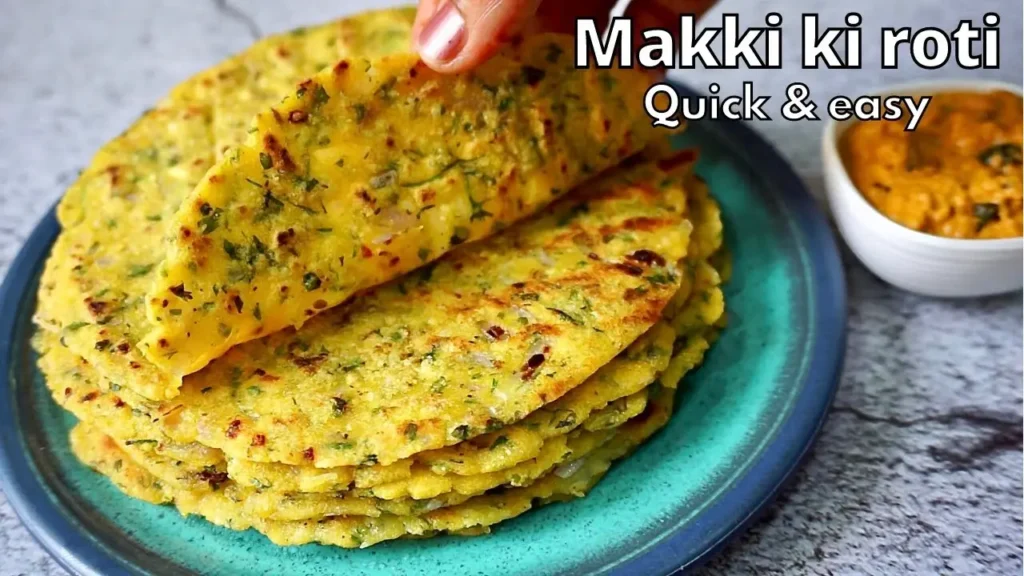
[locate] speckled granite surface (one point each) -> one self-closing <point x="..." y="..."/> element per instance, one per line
<point x="919" y="469"/>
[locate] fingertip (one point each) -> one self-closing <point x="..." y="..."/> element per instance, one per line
<point x="458" y="36"/>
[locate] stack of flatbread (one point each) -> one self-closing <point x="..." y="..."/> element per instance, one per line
<point x="324" y="292"/>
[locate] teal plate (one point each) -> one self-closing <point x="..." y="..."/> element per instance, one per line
<point x="743" y="424"/>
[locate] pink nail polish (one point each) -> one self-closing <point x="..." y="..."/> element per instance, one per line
<point x="443" y="36"/>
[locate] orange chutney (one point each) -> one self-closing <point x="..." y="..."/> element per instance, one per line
<point x="958" y="175"/>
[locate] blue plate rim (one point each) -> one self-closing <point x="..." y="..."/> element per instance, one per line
<point x="686" y="548"/>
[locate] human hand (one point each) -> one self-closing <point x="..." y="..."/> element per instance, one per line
<point x="457" y="35"/>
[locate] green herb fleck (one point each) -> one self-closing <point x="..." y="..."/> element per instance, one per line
<point x="140" y="270"/>
<point x="985" y="212"/>
<point x="459" y="235"/>
<point x="461" y="432"/>
<point x="311" y="281"/>
<point x="320" y="96"/>
<point x="338" y="405"/>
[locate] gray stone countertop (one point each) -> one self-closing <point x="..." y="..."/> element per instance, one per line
<point x="919" y="468"/>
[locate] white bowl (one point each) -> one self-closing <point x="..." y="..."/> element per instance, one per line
<point x="908" y="259"/>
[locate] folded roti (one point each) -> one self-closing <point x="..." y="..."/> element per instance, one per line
<point x="369" y="169"/>
<point x="114" y="216"/>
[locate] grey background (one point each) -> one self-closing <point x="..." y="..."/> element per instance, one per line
<point x="918" y="470"/>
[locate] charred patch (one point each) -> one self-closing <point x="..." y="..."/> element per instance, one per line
<point x="309" y="364"/>
<point x="684" y="157"/>
<point x="96" y="307"/>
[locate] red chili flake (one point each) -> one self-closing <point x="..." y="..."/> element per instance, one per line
<point x="647" y="257"/>
<point x="118" y="402"/>
<point x="390" y="142"/>
<point x="162" y="343"/>
<point x="593" y="256"/>
<point x="309" y="454"/>
<point x="232" y="430"/>
<point x="236" y="300"/>
<point x="134" y="365"/>
<point x="123" y="347"/>
<point x="90" y="396"/>
<point x="519" y="285"/>
<point x="286" y="236"/>
<point x="258" y="440"/>
<point x="297" y="116"/>
<point x="629" y="268"/>
<point x="282" y="159"/>
<point x="366" y="252"/>
<point x="529" y="370"/>
<point x="180" y="292"/>
<point x="212" y="477"/>
<point x="607" y="125"/>
<point x="412" y="73"/>
<point x="341" y="67"/>
<point x="102" y="345"/>
<point x="164" y="303"/>
<point x="496" y="332"/>
<point x="67" y="392"/>
<point x="277" y="115"/>
<point x="394" y="261"/>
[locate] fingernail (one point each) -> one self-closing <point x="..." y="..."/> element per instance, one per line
<point x="443" y="36"/>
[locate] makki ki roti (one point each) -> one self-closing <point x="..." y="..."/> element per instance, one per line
<point x="75" y="386"/>
<point x="114" y="216"/>
<point x="592" y="405"/>
<point x="419" y="482"/>
<point x="374" y="167"/>
<point x="420" y="494"/>
<point x="353" y="531"/>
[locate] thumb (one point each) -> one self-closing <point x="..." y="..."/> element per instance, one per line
<point x="457" y="35"/>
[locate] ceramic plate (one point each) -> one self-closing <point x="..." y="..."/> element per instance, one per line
<point x="743" y="423"/>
